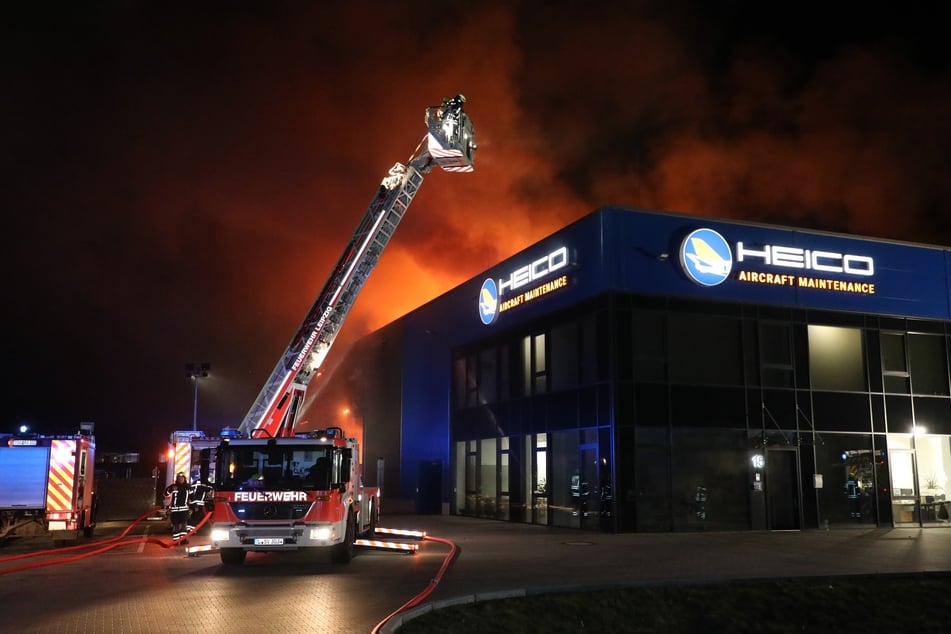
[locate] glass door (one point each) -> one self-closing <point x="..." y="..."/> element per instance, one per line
<point x="905" y="511"/>
<point x="589" y="506"/>
<point x="782" y="489"/>
<point x="933" y="462"/>
<point x="540" y="483"/>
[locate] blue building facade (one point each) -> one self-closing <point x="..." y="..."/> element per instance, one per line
<point x="647" y="371"/>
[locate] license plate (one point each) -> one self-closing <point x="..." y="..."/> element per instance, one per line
<point x="268" y="541"/>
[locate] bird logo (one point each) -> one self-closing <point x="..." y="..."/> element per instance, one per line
<point x="706" y="257"/>
<point x="488" y="301"/>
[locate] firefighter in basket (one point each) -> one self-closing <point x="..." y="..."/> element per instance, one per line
<point x="199" y="494"/>
<point x="177" y="508"/>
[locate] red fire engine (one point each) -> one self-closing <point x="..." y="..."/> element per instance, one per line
<point x="277" y="490"/>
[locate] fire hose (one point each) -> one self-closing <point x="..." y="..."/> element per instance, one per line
<point x="105" y="545"/>
<point x="419" y="598"/>
<point x="99" y="547"/>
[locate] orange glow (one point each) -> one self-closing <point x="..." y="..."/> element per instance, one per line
<point x="227" y="179"/>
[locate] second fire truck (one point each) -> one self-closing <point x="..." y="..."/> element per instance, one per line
<point x="47" y="485"/>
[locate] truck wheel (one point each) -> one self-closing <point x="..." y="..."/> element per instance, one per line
<point x="232" y="556"/>
<point x="343" y="552"/>
<point x="87" y="522"/>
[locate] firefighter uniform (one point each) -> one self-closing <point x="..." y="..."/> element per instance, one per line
<point x="178" y="510"/>
<point x="197" y="496"/>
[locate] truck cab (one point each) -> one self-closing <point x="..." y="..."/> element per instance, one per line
<point x="290" y="493"/>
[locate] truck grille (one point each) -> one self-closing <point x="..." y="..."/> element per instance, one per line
<point x="270" y="510"/>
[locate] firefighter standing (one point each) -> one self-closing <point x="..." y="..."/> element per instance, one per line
<point x="197" y="496"/>
<point x="178" y="510"/>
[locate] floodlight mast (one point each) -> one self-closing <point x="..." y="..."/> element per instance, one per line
<point x="449" y="143"/>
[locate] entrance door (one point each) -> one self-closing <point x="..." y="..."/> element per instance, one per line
<point x="782" y="489"/>
<point x="902" y="469"/>
<point x="589" y="505"/>
<point x="538" y="475"/>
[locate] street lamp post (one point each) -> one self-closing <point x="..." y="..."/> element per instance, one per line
<point x="195" y="371"/>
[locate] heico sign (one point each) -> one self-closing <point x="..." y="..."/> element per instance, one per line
<point x="708" y="260"/>
<point x="541" y="276"/>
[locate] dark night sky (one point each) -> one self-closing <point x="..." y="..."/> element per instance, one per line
<point x="180" y="177"/>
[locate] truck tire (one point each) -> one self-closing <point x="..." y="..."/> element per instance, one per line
<point x="232" y="556"/>
<point x="343" y="552"/>
<point x="88" y="519"/>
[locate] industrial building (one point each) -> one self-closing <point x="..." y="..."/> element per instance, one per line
<point x="648" y="371"/>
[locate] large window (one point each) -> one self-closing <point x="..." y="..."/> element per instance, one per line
<point x="650" y="346"/>
<point x="465" y="381"/>
<point x="705" y="350"/>
<point x="847" y="465"/>
<point x="914" y="362"/>
<point x="895" y="363"/>
<point x="709" y="479"/>
<point x="929" y="373"/>
<point x="564" y="356"/>
<point x="775" y="354"/>
<point x="481" y="378"/>
<point x="534" y="365"/>
<point x="836" y="360"/>
<point x="488" y="376"/>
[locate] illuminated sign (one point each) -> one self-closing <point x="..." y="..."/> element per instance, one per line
<point x="705" y="257"/>
<point x="270" y="496"/>
<point x="496" y="297"/>
<point x="488" y="301"/>
<point x="824" y="261"/>
<point x="534" y="293"/>
<point x="707" y="260"/>
<point x="540" y="268"/>
<point x="20" y="442"/>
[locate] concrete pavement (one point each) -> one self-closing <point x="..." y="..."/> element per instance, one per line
<point x="135" y="589"/>
<point x="500" y="559"/>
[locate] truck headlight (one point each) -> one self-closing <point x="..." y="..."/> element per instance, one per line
<point x="220" y="534"/>
<point x="320" y="533"/>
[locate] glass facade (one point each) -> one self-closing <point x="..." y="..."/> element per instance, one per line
<point x="643" y="413"/>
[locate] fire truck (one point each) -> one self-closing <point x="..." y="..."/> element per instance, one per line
<point x="47" y="485"/>
<point x="185" y="455"/>
<point x="276" y="489"/>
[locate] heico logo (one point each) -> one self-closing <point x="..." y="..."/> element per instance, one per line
<point x="498" y="296"/>
<point x="488" y="302"/>
<point x="706" y="257"/>
<point x="796" y="258"/>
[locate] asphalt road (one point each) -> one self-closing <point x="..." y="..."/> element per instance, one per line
<point x="145" y="588"/>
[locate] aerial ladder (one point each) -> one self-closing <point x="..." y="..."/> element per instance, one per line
<point x="449" y="143"/>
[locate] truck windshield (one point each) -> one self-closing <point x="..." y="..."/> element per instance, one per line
<point x="243" y="468"/>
